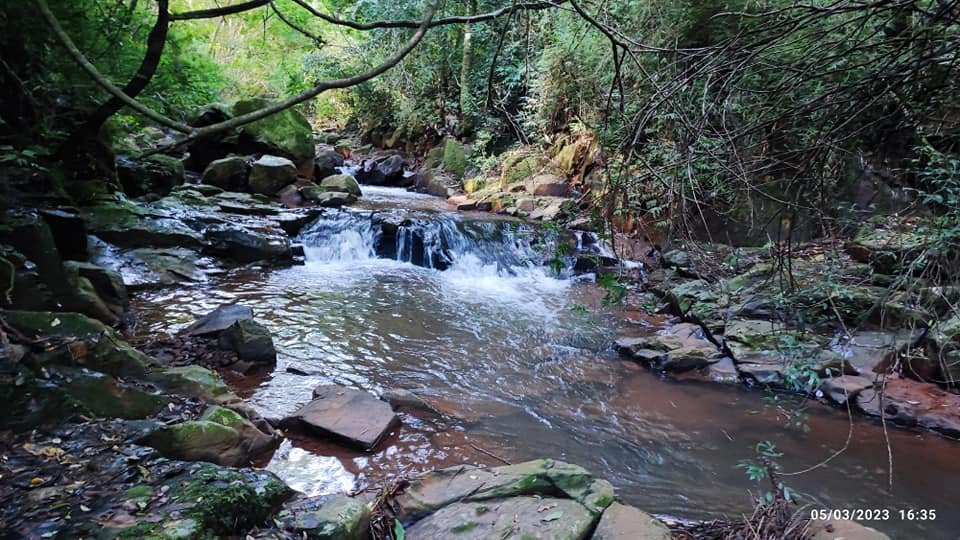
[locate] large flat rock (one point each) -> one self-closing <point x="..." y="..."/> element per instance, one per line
<point x="219" y="320"/>
<point x="621" y="522"/>
<point x="512" y="518"/>
<point x="348" y="415"/>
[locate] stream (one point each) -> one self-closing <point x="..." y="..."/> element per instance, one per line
<point x="399" y="292"/>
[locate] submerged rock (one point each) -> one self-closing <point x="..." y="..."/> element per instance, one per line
<point x="406" y="400"/>
<point x="621" y="522"/>
<point x="351" y="416"/>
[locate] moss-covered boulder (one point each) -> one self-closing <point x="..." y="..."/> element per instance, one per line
<point x="105" y="396"/>
<point x="514" y="518"/>
<point x="250" y="340"/>
<point x="539" y="477"/>
<point x="334" y="517"/>
<point x="220" y="436"/>
<point x="454" y="158"/>
<point x="286" y="133"/>
<point x="125" y="224"/>
<point x="95" y="345"/>
<point x="206" y="501"/>
<point x="519" y="166"/>
<point x="194" y="381"/>
<point x="343" y="183"/>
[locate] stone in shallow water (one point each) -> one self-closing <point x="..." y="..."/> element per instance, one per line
<point x="219" y="320"/>
<point x="334" y="517"/>
<point x="913" y="403"/>
<point x="846" y="388"/>
<point x="621" y="522"/>
<point x="512" y="518"/>
<point x="250" y="340"/>
<point x="352" y="416"/>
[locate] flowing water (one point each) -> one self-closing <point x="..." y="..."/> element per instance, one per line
<point x="400" y="293"/>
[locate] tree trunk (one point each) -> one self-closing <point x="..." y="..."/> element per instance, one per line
<point x="156" y="42"/>
<point x="466" y="98"/>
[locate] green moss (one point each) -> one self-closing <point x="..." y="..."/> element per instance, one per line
<point x="454" y="158"/>
<point x="223" y="416"/>
<point x="142" y="492"/>
<point x="466" y="527"/>
<point x="287" y="131"/>
<point x="143" y="530"/>
<point x="227" y="501"/>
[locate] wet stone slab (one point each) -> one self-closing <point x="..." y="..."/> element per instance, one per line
<point x="351" y="416"/>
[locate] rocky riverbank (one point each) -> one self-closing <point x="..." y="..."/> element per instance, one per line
<point x="149" y="442"/>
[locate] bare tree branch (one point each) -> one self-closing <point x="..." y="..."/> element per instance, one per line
<point x="219" y="12"/>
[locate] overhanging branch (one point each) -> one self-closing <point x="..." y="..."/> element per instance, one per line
<point x="220" y="11"/>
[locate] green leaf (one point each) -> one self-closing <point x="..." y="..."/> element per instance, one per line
<point x="398" y="532"/>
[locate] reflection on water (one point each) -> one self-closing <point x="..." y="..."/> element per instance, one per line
<point x="519" y="374"/>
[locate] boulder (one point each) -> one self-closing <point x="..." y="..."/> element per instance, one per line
<point x="193" y="381"/>
<point x="621" y="522"/>
<point x="250" y="340"/>
<point x="345" y="414"/>
<point x="526" y="205"/>
<point x="156" y="174"/>
<point x="203" y="501"/>
<point x="95" y="346"/>
<point x="328" y="199"/>
<point x="454" y="158"/>
<point x="68" y="231"/>
<point x="327" y="163"/>
<point x="547" y="185"/>
<point x="333" y="517"/>
<point x="127" y="225"/>
<point x="387" y="171"/>
<point x="870" y="352"/>
<point x="250" y="243"/>
<point x="555" y="209"/>
<point x="518" y="167"/>
<point x="219" y="320"/>
<point x="229" y="173"/>
<point x="270" y="174"/>
<point x="286" y="133"/>
<point x="220" y="436"/>
<point x="911" y="403"/>
<point x="104" y="396"/>
<point x="107" y="284"/>
<point x="845" y="388"/>
<point x="342" y="183"/>
<point x="514" y="518"/>
<point x="440" y="488"/>
<point x="681" y="347"/>
<point x="723" y="371"/>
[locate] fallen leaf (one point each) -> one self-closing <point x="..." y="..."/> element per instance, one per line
<point x="553" y="516"/>
<point x="84" y="507"/>
<point x="36" y="481"/>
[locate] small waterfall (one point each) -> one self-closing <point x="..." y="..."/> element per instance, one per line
<point x="436" y="240"/>
<point x="341" y="237"/>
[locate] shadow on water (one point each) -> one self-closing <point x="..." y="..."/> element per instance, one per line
<point x="519" y="374"/>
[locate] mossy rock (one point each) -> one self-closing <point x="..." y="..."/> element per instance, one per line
<point x="335" y="517"/>
<point x="342" y="183"/>
<point x="104" y="396"/>
<point x="194" y="381"/>
<point x="519" y="167"/>
<point x="102" y="350"/>
<point x="434" y="157"/>
<point x="454" y="158"/>
<point x="286" y="133"/>
<point x="206" y="501"/>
